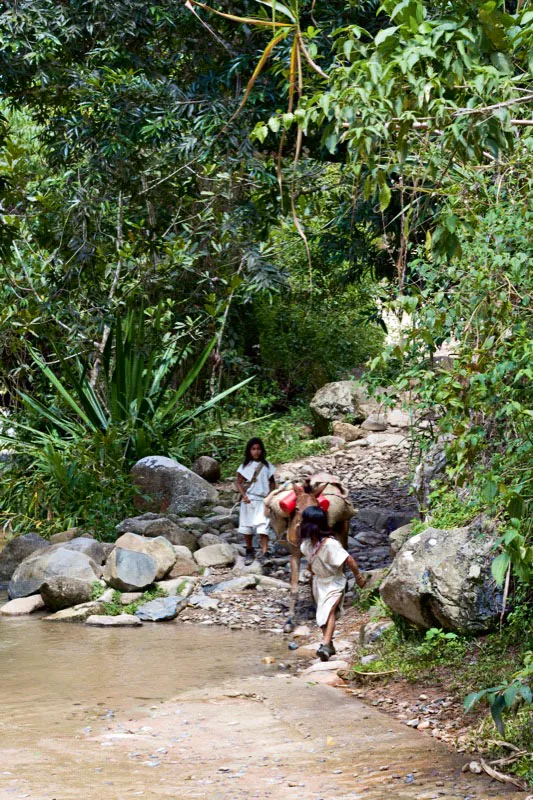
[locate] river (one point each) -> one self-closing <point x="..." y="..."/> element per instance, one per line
<point x="180" y="711"/>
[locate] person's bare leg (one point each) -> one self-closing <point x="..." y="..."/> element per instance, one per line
<point x="263" y="539"/>
<point x="249" y="541"/>
<point x="329" y="627"/>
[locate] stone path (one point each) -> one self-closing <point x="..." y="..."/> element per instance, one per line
<point x="267" y="738"/>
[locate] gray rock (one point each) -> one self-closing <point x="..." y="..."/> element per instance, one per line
<point x="120" y="621"/>
<point x="62" y="592"/>
<point x="88" y="546"/>
<point x="18" y="549"/>
<point x="216" y="555"/>
<point x="172" y="533"/>
<point x="129" y="597"/>
<point x="180" y="551"/>
<point x="370" y="538"/>
<point x="219" y="520"/>
<point x="107" y="547"/>
<point x="386" y="439"/>
<point x="189" y="523"/>
<point x="209" y="538"/>
<point x="241" y="568"/>
<point x="68" y="535"/>
<point x="159" y="548"/>
<point x="375" y="422"/>
<point x="335" y="401"/>
<point x="399" y="537"/>
<point x="202" y="601"/>
<point x="138" y="524"/>
<point x="129" y="571"/>
<point x="77" y="613"/>
<point x="347" y="431"/>
<point x="207" y="468"/>
<point x="236" y="584"/>
<point x="398" y="419"/>
<point x="170" y="487"/>
<point x="160" y="609"/>
<point x="22" y="606"/>
<point x="38" y="568"/>
<point x="184" y="566"/>
<point x="442" y="579"/>
<point x="372" y="631"/>
<point x="369" y="659"/>
<point x="184" y="586"/>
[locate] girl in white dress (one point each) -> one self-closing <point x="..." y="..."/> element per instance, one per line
<point x="255" y="479"/>
<point x="326" y="559"/>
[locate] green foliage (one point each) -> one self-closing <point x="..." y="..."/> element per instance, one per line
<point x="114" y="607"/>
<point x="506" y="696"/>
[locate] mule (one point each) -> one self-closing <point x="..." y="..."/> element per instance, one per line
<point x="306" y="496"/>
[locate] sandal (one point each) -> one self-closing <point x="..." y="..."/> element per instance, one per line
<point x="249" y="558"/>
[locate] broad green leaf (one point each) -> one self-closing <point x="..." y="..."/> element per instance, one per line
<point x="384" y="196"/>
<point x="276" y="6"/>
<point x="499" y="567"/>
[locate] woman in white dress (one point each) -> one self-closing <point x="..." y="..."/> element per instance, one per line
<point x="255" y="479"/>
<point x="326" y="559"/>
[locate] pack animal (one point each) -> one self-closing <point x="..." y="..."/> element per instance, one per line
<point x="306" y="496"/>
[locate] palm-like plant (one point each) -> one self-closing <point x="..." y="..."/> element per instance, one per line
<point x="134" y="401"/>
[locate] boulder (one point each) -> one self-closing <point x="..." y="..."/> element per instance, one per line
<point x="120" y="621"/>
<point x="88" y="546"/>
<point x="184" y="566"/>
<point x="129" y="597"/>
<point x="138" y="524"/>
<point x="207" y="468"/>
<point x="201" y="600"/>
<point x="398" y="419"/>
<point x="77" y="613"/>
<point x="67" y="536"/>
<point x="30" y="575"/>
<point x="194" y="524"/>
<point x="442" y="579"/>
<point x="347" y="431"/>
<point x="239" y="584"/>
<point x="399" y="537"/>
<point x="18" y="549"/>
<point x="209" y="538"/>
<point x="220" y="520"/>
<point x="62" y="592"/>
<point x="159" y="548"/>
<point x="373" y="631"/>
<point x="216" y="555"/>
<point x="335" y="401"/>
<point x="22" y="606"/>
<point x="130" y="571"/>
<point x="166" y="485"/>
<point x="180" y="551"/>
<point x="184" y="586"/>
<point x="161" y="609"/>
<point x="375" y="422"/>
<point x="241" y="568"/>
<point x="386" y="439"/>
<point x="172" y="533"/>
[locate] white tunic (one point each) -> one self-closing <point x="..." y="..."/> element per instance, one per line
<point x="252" y="515"/>
<point x="329" y="581"/>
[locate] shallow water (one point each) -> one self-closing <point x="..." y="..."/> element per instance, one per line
<point x="55" y="675"/>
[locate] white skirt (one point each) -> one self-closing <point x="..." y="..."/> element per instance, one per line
<point x="252" y="517"/>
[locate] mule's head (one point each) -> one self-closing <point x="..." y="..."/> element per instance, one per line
<point x="305" y="497"/>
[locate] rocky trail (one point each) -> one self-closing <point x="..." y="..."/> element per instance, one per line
<point x="217" y="702"/>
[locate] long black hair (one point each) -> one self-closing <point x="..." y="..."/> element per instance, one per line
<point x="248" y="451"/>
<point x="314" y="524"/>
